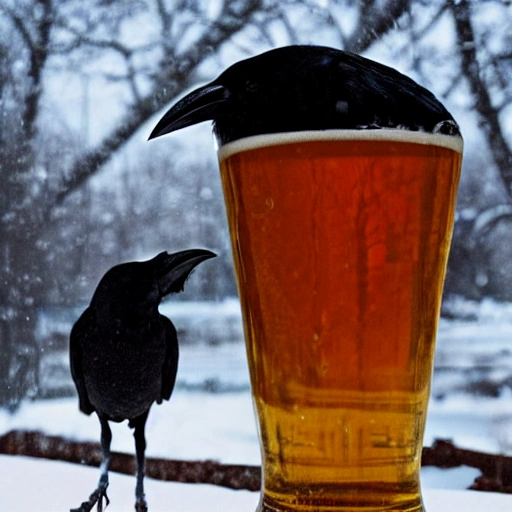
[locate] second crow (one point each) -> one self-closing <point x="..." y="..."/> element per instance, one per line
<point x="124" y="353"/>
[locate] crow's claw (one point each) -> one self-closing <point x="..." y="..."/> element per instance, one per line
<point x="141" y="505"/>
<point x="103" y="494"/>
<point x="95" y="498"/>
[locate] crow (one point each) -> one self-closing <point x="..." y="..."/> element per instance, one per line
<point x="297" y="88"/>
<point x="124" y="353"/>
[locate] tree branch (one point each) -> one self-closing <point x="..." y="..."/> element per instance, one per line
<point x="38" y="47"/>
<point x="38" y="57"/>
<point x="487" y="113"/>
<point x="98" y="43"/>
<point x="20" y="26"/>
<point x="433" y="20"/>
<point x="374" y="22"/>
<point x="168" y="83"/>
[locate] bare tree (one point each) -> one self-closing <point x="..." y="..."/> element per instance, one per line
<point x="44" y="32"/>
<point x="20" y="256"/>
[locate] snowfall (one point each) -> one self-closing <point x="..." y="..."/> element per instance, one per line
<point x="210" y="416"/>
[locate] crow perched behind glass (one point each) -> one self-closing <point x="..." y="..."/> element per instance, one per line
<point x="124" y="353"/>
<point x="297" y="88"/>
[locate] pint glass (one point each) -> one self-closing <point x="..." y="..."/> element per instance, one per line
<point x="340" y="240"/>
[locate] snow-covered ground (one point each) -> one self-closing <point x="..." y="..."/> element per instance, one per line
<point x="29" y="485"/>
<point x="48" y="486"/>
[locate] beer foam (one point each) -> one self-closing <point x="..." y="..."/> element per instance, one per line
<point x="452" y="142"/>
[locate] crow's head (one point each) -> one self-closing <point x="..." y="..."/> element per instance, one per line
<point x="136" y="288"/>
<point x="298" y="88"/>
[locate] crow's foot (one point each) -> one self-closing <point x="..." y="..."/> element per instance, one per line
<point x="141" y="505"/>
<point x="96" y="497"/>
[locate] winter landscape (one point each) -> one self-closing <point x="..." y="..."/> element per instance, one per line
<point x="82" y="85"/>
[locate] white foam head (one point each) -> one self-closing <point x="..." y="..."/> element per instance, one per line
<point x="452" y="142"/>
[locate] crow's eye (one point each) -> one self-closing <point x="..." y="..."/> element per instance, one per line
<point x="251" y="87"/>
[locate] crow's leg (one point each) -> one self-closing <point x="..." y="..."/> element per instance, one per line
<point x="106" y="439"/>
<point x="140" y="447"/>
<point x="101" y="491"/>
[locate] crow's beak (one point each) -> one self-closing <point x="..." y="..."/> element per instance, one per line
<point x="203" y="104"/>
<point x="172" y="270"/>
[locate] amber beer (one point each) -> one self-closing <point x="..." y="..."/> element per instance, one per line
<point x="340" y="240"/>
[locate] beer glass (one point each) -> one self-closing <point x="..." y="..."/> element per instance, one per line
<point x="340" y="240"/>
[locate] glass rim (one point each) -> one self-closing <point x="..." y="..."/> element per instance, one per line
<point x="453" y="142"/>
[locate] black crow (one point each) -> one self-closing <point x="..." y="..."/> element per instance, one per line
<point x="124" y="353"/>
<point x="297" y="88"/>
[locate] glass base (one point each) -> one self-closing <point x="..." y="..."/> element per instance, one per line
<point x="346" y="502"/>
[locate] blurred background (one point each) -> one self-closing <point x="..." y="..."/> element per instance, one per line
<point x="81" y="86"/>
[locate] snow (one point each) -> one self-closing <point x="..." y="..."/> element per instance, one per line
<point x="443" y="500"/>
<point x="466" y="423"/>
<point x="61" y="486"/>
